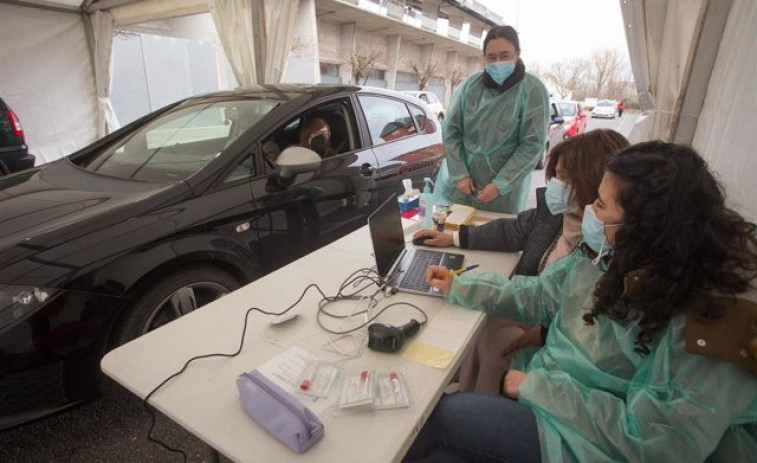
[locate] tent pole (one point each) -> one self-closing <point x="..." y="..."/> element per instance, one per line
<point x="702" y="56"/>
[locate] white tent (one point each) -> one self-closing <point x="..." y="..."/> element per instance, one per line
<point x="55" y="58"/>
<point x="694" y="63"/>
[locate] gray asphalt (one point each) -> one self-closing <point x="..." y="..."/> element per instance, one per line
<point x="114" y="427"/>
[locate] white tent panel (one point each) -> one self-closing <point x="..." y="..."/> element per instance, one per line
<point x="659" y="34"/>
<point x="729" y="116"/>
<point x="151" y="10"/>
<point x="47" y="79"/>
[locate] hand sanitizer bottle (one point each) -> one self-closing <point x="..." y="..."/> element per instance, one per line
<point x="426" y="205"/>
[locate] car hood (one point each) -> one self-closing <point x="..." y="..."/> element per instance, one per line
<point x="46" y="207"/>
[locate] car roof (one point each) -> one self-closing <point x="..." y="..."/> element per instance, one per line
<point x="288" y="92"/>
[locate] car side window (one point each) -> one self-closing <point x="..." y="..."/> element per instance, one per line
<point x="421" y="121"/>
<point x="432" y="98"/>
<point x="245" y="168"/>
<point x="424" y="97"/>
<point x="333" y="122"/>
<point x="388" y="119"/>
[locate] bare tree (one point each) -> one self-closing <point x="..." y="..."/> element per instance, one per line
<point x="362" y="63"/>
<point x="606" y="65"/>
<point x="423" y="73"/>
<point x="566" y="76"/>
<point x="455" y="76"/>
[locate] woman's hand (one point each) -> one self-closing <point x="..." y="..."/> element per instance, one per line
<point x="513" y="380"/>
<point x="434" y="237"/>
<point x="489" y="193"/>
<point x="531" y="338"/>
<point x="440" y="277"/>
<point x="466" y="186"/>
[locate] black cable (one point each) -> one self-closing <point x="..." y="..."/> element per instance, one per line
<point x="353" y="280"/>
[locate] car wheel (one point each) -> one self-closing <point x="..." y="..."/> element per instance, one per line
<point x="171" y="297"/>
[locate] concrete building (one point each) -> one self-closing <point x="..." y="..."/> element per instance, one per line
<point x="403" y="40"/>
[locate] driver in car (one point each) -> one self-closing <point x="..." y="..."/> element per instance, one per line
<point x="316" y="135"/>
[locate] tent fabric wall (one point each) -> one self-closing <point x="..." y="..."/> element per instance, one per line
<point x="151" y="10"/>
<point x="101" y="24"/>
<point x="235" y="23"/>
<point x="729" y="114"/>
<point x="659" y="35"/>
<point x="233" y="20"/>
<point x="46" y="77"/>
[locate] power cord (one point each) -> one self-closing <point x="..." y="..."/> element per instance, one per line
<point x="354" y="280"/>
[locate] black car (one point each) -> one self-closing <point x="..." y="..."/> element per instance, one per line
<point x="177" y="209"/>
<point x="14" y="154"/>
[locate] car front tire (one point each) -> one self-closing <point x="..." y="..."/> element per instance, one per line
<point x="170" y="297"/>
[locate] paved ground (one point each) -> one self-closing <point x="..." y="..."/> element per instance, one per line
<point x="114" y="428"/>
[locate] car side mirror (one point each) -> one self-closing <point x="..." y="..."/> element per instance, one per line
<point x="297" y="160"/>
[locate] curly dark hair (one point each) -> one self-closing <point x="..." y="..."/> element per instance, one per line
<point x="677" y="228"/>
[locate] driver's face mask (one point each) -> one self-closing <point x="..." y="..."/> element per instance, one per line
<point x="319" y="140"/>
<point x="318" y="144"/>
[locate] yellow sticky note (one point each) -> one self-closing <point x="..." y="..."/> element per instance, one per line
<point x="429" y="355"/>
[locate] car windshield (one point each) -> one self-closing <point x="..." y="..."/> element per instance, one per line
<point x="568" y="109"/>
<point x="181" y="142"/>
<point x="604" y="103"/>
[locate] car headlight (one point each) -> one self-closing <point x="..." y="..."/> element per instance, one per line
<point x="18" y="301"/>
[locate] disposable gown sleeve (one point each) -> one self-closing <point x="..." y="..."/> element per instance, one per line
<point x="453" y="136"/>
<point x="532" y="136"/>
<point x="677" y="416"/>
<point x="533" y="300"/>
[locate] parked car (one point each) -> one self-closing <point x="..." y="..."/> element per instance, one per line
<point x="575" y="118"/>
<point x="604" y="108"/>
<point x="431" y="100"/>
<point x="177" y="209"/>
<point x="555" y="132"/>
<point x="14" y="154"/>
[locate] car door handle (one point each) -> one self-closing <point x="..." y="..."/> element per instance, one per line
<point x="367" y="170"/>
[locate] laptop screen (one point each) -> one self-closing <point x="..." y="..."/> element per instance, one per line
<point x="385" y="225"/>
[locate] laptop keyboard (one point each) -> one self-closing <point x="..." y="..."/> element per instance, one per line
<point x="415" y="276"/>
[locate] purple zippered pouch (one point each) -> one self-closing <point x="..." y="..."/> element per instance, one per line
<point x="279" y="412"/>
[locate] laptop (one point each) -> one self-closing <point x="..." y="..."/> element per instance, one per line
<point x="399" y="267"/>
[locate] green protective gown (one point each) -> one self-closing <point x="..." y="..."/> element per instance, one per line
<point x="595" y="399"/>
<point x="495" y="138"/>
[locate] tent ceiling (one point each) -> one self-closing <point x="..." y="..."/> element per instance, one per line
<point x="71" y="5"/>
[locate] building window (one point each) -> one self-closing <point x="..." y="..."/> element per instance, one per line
<point x="330" y="69"/>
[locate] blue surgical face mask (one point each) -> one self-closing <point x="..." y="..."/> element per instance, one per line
<point x="593" y="231"/>
<point x="500" y="70"/>
<point x="557" y="196"/>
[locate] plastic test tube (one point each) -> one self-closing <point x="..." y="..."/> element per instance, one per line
<point x="307" y="376"/>
<point x="364" y="382"/>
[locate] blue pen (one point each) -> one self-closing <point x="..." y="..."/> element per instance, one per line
<point x="463" y="270"/>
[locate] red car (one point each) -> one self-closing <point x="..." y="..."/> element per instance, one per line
<point x="575" y="119"/>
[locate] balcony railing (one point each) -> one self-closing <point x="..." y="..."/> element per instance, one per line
<point x="397" y="9"/>
<point x="428" y="23"/>
<point x="453" y="32"/>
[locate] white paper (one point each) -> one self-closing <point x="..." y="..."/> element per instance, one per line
<point x="285" y="370"/>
